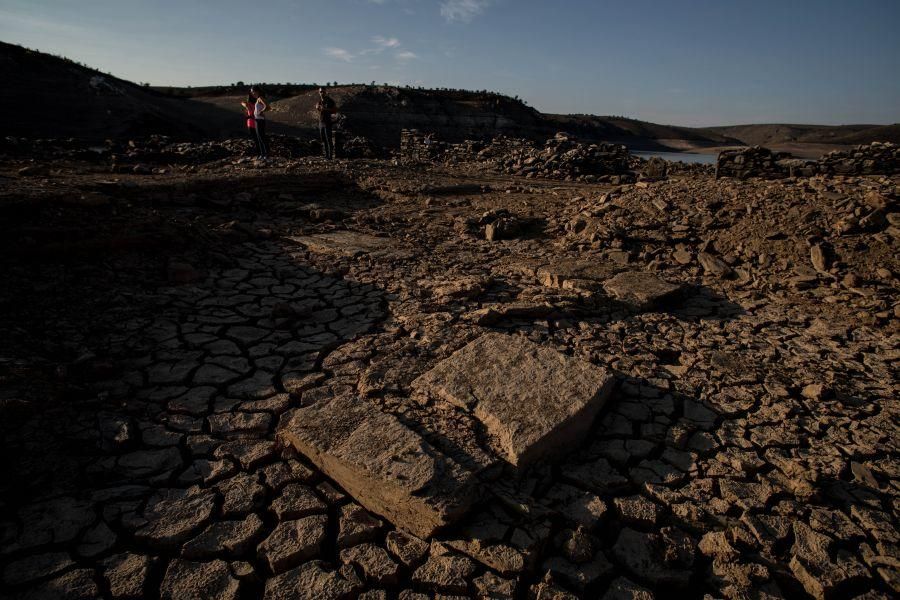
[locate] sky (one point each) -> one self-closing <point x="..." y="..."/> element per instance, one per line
<point x="682" y="62"/>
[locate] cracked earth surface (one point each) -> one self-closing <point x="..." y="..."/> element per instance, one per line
<point x="747" y="449"/>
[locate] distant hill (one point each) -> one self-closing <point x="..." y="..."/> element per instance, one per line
<point x="771" y="134"/>
<point x="65" y="99"/>
<point x="640" y="134"/>
<point x="878" y="133"/>
<point x="380" y="112"/>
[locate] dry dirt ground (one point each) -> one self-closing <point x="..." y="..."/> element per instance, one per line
<point x="157" y="330"/>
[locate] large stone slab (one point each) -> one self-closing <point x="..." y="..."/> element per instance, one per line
<point x="382" y="463"/>
<point x="533" y="401"/>
<point x="642" y="291"/>
<point x="351" y="244"/>
<point x="573" y="274"/>
<point x="567" y="273"/>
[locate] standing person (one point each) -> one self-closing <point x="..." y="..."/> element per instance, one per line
<point x="326" y="108"/>
<point x="251" y="121"/>
<point x="259" y="109"/>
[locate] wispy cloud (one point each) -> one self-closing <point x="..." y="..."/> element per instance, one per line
<point x="463" y="10"/>
<point x="380" y="44"/>
<point x="339" y="54"/>
<point x="383" y="42"/>
<point x="402" y="4"/>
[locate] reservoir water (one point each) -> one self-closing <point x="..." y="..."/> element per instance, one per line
<point x="687" y="157"/>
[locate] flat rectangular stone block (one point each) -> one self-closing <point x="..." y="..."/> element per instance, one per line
<point x="382" y="463"/>
<point x="533" y="401"/>
<point x="569" y="274"/>
<point x="350" y="243"/>
<point x="642" y="291"/>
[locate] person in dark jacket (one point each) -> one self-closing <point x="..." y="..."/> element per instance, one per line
<point x="326" y="108"/>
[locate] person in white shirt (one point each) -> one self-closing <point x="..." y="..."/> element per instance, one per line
<point x="259" y="116"/>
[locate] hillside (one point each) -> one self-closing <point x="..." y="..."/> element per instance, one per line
<point x="61" y="98"/>
<point x="380" y="112"/>
<point x="775" y="134"/>
<point x="66" y="99"/>
<point x="640" y="134"/>
<point x="881" y="133"/>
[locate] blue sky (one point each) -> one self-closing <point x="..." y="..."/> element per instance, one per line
<point x="685" y="62"/>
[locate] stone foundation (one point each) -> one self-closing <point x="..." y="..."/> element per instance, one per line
<point x="416" y="146"/>
<point x="755" y="161"/>
<point x="873" y="159"/>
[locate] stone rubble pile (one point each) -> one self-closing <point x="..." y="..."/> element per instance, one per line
<point x="686" y="169"/>
<point x="878" y="158"/>
<point x="562" y="157"/>
<point x="357" y="146"/>
<point x="755" y="161"/>
<point x="654" y="169"/>
<point x="756" y="236"/>
<point x="419" y="147"/>
<point x="502" y="147"/>
<point x="416" y="146"/>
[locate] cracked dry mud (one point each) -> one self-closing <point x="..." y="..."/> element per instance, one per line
<point x="315" y="382"/>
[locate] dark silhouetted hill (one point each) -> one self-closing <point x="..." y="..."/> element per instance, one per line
<point x="52" y="97"/>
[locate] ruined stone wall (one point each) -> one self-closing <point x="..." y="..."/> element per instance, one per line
<point x="416" y="146"/>
<point x="561" y="157"/>
<point x="755" y="161"/>
<point x="878" y="158"/>
<point x="564" y="158"/>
